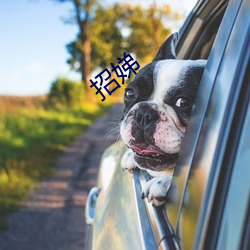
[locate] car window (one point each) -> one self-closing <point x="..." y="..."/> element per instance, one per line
<point x="199" y="31"/>
<point x="165" y="224"/>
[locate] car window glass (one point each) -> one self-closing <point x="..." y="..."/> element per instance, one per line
<point x="236" y="207"/>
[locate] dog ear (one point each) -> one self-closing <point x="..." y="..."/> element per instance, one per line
<point x="167" y="49"/>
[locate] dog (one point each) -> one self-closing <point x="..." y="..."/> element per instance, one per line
<point x="158" y="102"/>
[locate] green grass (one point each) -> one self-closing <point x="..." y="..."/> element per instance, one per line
<point x="31" y="139"/>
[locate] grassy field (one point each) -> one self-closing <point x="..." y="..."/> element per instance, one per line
<point x="31" y="138"/>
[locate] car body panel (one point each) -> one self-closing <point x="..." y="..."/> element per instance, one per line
<point x="117" y="224"/>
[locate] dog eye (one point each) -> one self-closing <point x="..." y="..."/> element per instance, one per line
<point x="130" y="94"/>
<point x="182" y="102"/>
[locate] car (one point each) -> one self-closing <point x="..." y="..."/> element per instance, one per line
<point x="208" y="203"/>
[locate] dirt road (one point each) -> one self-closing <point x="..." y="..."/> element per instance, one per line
<point x="53" y="218"/>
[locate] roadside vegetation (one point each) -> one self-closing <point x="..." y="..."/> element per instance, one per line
<point x="34" y="131"/>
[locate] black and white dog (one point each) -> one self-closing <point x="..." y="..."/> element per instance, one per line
<point x="158" y="102"/>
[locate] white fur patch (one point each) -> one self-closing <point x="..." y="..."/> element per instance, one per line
<point x="125" y="131"/>
<point x="168" y="74"/>
<point x="168" y="138"/>
<point x="157" y="188"/>
<point x="128" y="161"/>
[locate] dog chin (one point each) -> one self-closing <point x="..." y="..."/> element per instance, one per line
<point x="155" y="163"/>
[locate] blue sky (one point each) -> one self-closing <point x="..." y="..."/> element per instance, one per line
<point x="32" y="44"/>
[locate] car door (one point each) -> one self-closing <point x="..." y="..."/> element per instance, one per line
<point x="209" y="179"/>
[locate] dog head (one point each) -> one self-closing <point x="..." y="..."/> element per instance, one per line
<point x="158" y="102"/>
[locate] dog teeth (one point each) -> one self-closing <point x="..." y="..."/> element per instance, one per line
<point x="156" y="155"/>
<point x="145" y="156"/>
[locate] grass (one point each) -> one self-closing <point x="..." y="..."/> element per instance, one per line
<point x="31" y="139"/>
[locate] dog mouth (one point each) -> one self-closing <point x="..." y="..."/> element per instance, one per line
<point x="149" y="152"/>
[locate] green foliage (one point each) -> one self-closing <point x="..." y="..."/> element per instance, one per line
<point x="123" y="28"/>
<point x="66" y="93"/>
<point x="107" y="41"/>
<point x="147" y="31"/>
<point x="75" y="48"/>
<point x="31" y="139"/>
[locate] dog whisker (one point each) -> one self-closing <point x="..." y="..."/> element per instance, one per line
<point x="118" y="138"/>
<point x="113" y="132"/>
<point x="115" y="121"/>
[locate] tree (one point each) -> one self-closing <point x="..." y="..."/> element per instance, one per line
<point x="83" y="16"/>
<point x="106" y="40"/>
<point x="106" y="36"/>
<point x="123" y="28"/>
<point x="116" y="29"/>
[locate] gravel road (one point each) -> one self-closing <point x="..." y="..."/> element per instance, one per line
<point x="53" y="218"/>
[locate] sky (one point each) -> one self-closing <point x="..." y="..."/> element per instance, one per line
<point x="33" y="40"/>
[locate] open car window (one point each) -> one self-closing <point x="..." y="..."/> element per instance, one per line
<point x="196" y="41"/>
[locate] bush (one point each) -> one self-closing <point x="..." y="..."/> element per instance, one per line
<point x="66" y="93"/>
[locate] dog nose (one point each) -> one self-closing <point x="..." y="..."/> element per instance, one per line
<point x="145" y="117"/>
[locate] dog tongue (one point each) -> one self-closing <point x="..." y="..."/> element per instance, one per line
<point x="145" y="149"/>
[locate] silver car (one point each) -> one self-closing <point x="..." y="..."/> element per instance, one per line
<point x="208" y="203"/>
